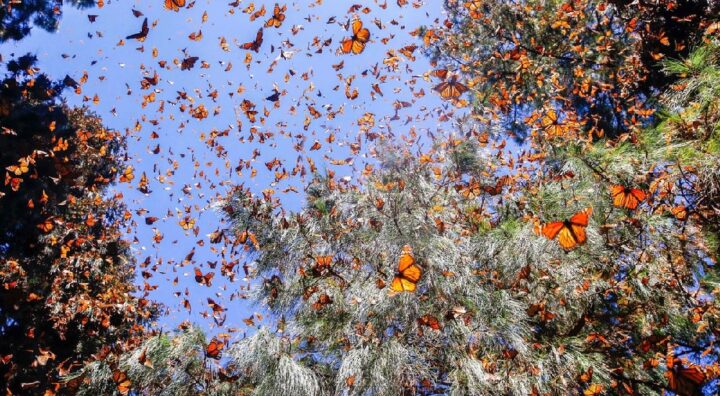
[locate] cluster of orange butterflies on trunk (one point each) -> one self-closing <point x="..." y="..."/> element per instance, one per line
<point x="570" y="233"/>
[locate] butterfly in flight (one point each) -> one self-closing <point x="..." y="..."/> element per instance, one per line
<point x="684" y="381"/>
<point x="451" y="88"/>
<point x="174" y="5"/>
<point x="570" y="233"/>
<point x="214" y="348"/>
<point x="205" y="279"/>
<point x="140" y="36"/>
<point x="278" y="16"/>
<point x="356" y="43"/>
<point x="408" y="273"/>
<point x="551" y="124"/>
<point x="255" y="44"/>
<point x="627" y="197"/>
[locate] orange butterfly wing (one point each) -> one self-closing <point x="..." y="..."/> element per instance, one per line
<point x="618" y="194"/>
<point x="686" y="381"/>
<point x="357" y="47"/>
<point x="122" y="382"/>
<point x="551" y="230"/>
<point x="582" y="218"/>
<point x="634" y="198"/>
<point x="400" y="284"/>
<point x="324" y="261"/>
<point x="551" y="125"/>
<point x="569" y="239"/>
<point x="174" y="5"/>
<point x="346" y="45"/>
<point x="213" y="349"/>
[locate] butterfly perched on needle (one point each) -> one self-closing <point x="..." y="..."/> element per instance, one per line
<point x="450" y="88"/>
<point x="323" y="261"/>
<point x="474" y="8"/>
<point x="570" y="233"/>
<point x="408" y="273"/>
<point x="356" y="42"/>
<point x="122" y="382"/>
<point x="627" y="197"/>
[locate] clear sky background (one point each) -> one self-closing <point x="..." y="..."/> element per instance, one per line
<point x="190" y="171"/>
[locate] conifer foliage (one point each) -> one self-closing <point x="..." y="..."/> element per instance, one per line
<point x="581" y="263"/>
<point x="66" y="276"/>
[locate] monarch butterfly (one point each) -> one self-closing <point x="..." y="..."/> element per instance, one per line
<point x="174" y="5"/>
<point x="684" y="381"/>
<point x="144" y="30"/>
<point x="471" y="190"/>
<point x="680" y="212"/>
<point x="255" y="44"/>
<point x="473" y="7"/>
<point x="127" y="175"/>
<point x="278" y="16"/>
<point x="204" y="279"/>
<point x="213" y="349"/>
<point x="408" y="273"/>
<point x="322" y="301"/>
<point x="450" y="89"/>
<point x="47" y="225"/>
<point x="440" y="73"/>
<point x="571" y="231"/>
<point x="324" y="261"/>
<point x="429" y="321"/>
<point x="356" y="43"/>
<point x="593" y="390"/>
<point x="551" y="125"/>
<point x="122" y="382"/>
<point x="627" y="197"/>
<point x="187" y="223"/>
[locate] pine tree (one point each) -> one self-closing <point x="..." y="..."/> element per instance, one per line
<point x="66" y="275"/>
<point x="583" y="264"/>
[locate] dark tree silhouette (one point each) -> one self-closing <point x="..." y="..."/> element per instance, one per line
<point x="18" y="18"/>
<point x="66" y="276"/>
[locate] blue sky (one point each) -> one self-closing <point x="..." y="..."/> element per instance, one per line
<point x="189" y="171"/>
